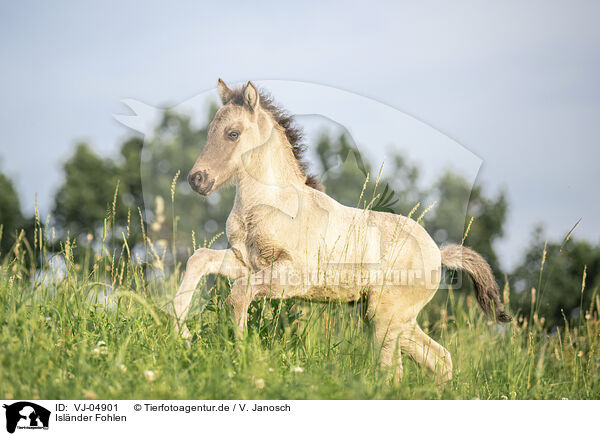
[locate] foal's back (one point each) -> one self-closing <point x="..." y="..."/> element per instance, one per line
<point x="332" y="233"/>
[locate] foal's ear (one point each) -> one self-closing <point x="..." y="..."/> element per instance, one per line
<point x="224" y="91"/>
<point x="251" y="97"/>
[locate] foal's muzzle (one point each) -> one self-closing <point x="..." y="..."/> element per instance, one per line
<point x="200" y="182"/>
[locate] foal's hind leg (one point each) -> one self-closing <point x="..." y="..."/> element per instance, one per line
<point x="397" y="332"/>
<point x="390" y="352"/>
<point x="425" y="351"/>
<point x="396" y="339"/>
<point x="383" y="309"/>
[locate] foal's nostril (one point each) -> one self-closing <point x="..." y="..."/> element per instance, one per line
<point x="195" y="180"/>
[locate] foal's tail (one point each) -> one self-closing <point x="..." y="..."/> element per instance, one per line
<point x="486" y="288"/>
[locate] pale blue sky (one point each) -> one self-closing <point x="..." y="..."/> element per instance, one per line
<point x="516" y="83"/>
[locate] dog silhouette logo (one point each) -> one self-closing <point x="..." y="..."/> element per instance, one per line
<point x="26" y="415"/>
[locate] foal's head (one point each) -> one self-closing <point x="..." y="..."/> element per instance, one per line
<point x="246" y="120"/>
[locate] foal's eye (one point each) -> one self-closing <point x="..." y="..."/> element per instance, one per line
<point x="234" y="134"/>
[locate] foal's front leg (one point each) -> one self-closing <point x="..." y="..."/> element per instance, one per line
<point x="278" y="281"/>
<point x="204" y="261"/>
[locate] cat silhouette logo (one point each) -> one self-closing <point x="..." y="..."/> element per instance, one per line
<point x="26" y="415"/>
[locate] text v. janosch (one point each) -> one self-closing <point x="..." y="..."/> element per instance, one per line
<point x="88" y="412"/>
<point x="235" y="407"/>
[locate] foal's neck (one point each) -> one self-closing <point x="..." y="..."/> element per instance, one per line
<point x="270" y="173"/>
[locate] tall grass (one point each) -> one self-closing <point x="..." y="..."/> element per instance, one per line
<point x="96" y="327"/>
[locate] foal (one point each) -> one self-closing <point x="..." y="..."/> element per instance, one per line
<point x="290" y="240"/>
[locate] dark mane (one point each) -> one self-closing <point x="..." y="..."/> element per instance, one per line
<point x="292" y="132"/>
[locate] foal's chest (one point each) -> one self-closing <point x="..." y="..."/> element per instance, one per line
<point x="262" y="235"/>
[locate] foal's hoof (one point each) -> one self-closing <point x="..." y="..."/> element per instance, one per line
<point x="191" y="340"/>
<point x="396" y="377"/>
<point x="393" y="375"/>
<point x="183" y="332"/>
<point x="444" y="381"/>
<point x="187" y="337"/>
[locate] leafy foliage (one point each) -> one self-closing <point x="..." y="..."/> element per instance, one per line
<point x="82" y="202"/>
<point x="566" y="286"/>
<point x="12" y="221"/>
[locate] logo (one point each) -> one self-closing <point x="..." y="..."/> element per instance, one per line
<point x="26" y="415"/>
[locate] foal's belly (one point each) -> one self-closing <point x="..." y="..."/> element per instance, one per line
<point x="326" y="294"/>
<point x="345" y="283"/>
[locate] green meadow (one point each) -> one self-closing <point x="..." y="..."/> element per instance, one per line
<point x="96" y="327"/>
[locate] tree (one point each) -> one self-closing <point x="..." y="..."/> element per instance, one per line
<point x="86" y="197"/>
<point x="345" y="172"/>
<point x="449" y="219"/>
<point x="11" y="217"/>
<point x="558" y="285"/>
<point x="129" y="172"/>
